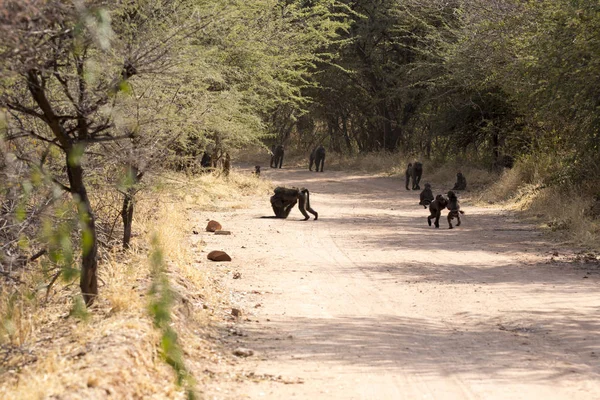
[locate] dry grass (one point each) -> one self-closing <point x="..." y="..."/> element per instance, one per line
<point x="566" y="211"/>
<point x="46" y="353"/>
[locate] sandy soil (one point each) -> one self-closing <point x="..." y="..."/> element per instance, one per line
<point x="369" y="302"/>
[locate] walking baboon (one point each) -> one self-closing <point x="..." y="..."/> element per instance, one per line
<point x="317" y="157"/>
<point x="417" y="172"/>
<point x="426" y="196"/>
<point x="285" y="199"/>
<point x="454" y="208"/>
<point x="435" y="209"/>
<point x="414" y="172"/>
<point x="278" y="156"/>
<point x="256" y="171"/>
<point x="461" y="182"/>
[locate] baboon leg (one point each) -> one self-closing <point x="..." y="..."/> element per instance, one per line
<point x="429" y="220"/>
<point x="407" y="181"/>
<point x="310" y="210"/>
<point x="458" y="218"/>
<point x="437" y="219"/>
<point x="322" y="163"/>
<point x="302" y="204"/>
<point x="450" y="220"/>
<point x="310" y="164"/>
<point x="287" y="209"/>
<point x="280" y="161"/>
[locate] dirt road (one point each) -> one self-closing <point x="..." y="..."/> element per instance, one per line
<point x="369" y="302"/>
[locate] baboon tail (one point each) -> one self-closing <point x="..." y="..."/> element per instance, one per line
<point x="461" y="211"/>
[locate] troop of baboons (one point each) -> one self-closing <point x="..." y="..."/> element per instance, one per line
<point x="426" y="198"/>
<point x="285" y="199"/>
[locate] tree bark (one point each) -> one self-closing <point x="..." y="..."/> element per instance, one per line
<point x="89" y="263"/>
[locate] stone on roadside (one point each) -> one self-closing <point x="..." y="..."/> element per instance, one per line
<point x="213" y="226"/>
<point x="217" y="255"/>
<point x="243" y="352"/>
<point x="236" y="312"/>
<point x="222" y="232"/>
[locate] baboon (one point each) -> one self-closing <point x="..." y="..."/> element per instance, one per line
<point x="415" y="172"/>
<point x="317" y="157"/>
<point x="435" y="209"/>
<point x="461" y="182"/>
<point x="278" y="156"/>
<point x="272" y="164"/>
<point x="426" y="196"/>
<point x="454" y="208"/>
<point x="256" y="172"/>
<point x="285" y="199"/>
<point x="206" y="161"/>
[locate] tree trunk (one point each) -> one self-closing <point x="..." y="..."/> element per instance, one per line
<point x="134" y="177"/>
<point x="127" y="216"/>
<point x="89" y="239"/>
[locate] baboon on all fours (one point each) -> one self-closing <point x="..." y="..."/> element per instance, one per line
<point x="256" y="171"/>
<point x="461" y="182"/>
<point x="317" y="157"/>
<point x="426" y="196"/>
<point x="414" y="172"/>
<point x="278" y="156"/>
<point x="285" y="199"/>
<point x="435" y="209"/>
<point x="454" y="208"/>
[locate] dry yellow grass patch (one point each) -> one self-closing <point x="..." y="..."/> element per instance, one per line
<point x="46" y="352"/>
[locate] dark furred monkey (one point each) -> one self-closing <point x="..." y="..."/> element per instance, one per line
<point x="417" y="172"/>
<point x="454" y="208"/>
<point x="317" y="156"/>
<point x="256" y="171"/>
<point x="285" y="199"/>
<point x="278" y="156"/>
<point x="461" y="182"/>
<point x="414" y="172"/>
<point x="435" y="209"/>
<point x="426" y="196"/>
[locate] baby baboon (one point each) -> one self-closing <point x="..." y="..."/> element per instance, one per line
<point x="417" y="172"/>
<point x="256" y="172"/>
<point x="278" y="156"/>
<point x="408" y="173"/>
<point x="285" y="199"/>
<point x="318" y="156"/>
<point x="454" y="208"/>
<point x="435" y="209"/>
<point x="461" y="182"/>
<point x="426" y="196"/>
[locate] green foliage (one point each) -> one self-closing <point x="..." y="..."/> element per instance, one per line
<point x="161" y="302"/>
